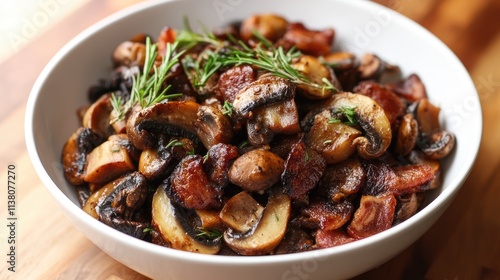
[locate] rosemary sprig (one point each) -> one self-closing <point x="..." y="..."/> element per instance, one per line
<point x="147" y="87"/>
<point x="348" y="112"/>
<point x="227" y="108"/>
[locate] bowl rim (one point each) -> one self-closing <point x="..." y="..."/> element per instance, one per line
<point x="76" y="212"/>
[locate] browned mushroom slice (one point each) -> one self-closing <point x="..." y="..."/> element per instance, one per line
<point x="407" y="135"/>
<point x="188" y="185"/>
<point x="372" y="119"/>
<point x="266" y="122"/>
<point x="335" y="141"/>
<point x="129" y="54"/>
<point x="118" y="203"/>
<point x="97" y="116"/>
<point x="311" y="68"/>
<point x="108" y="161"/>
<point x="270" y="230"/>
<point x="340" y="61"/>
<point x="174" y="118"/>
<point x="218" y="161"/>
<point x="303" y="170"/>
<point x="75" y="151"/>
<point x="256" y="170"/>
<point x="434" y="142"/>
<point x="173" y="229"/>
<point x="411" y="88"/>
<point x="374" y="215"/>
<point x="212" y="126"/>
<point x="152" y="165"/>
<point x="332" y="238"/>
<point x="373" y="67"/>
<point x="271" y="26"/>
<point x="342" y="180"/>
<point x="326" y="215"/>
<point x="266" y="90"/>
<point x="241" y="212"/>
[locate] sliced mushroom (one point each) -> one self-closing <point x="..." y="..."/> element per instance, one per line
<point x="256" y="170"/>
<point x="129" y="54"/>
<point x="271" y="26"/>
<point x="373" y="67"/>
<point x="407" y="206"/>
<point x="371" y="117"/>
<point x="266" y="122"/>
<point x="173" y="227"/>
<point x="108" y="161"/>
<point x="407" y="136"/>
<point x="265" y="90"/>
<point x="268" y="233"/>
<point x="334" y="141"/>
<point x="241" y="212"/>
<point x="316" y="72"/>
<point x="174" y="118"/>
<point x="118" y="203"/>
<point x="212" y="126"/>
<point x="340" y="61"/>
<point x="97" y="116"/>
<point x="75" y="151"/>
<point x="434" y="142"/>
<point x="152" y="165"/>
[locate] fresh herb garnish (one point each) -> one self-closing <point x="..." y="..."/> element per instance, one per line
<point x="211" y="234"/>
<point x="227" y="108"/>
<point x="147" y="87"/>
<point x="347" y="111"/>
<point x="174" y="143"/>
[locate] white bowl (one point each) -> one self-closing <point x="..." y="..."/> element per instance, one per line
<point x="361" y="26"/>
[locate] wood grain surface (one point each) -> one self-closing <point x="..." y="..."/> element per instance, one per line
<point x="463" y="244"/>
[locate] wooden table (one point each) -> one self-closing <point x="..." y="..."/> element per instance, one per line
<point x="463" y="244"/>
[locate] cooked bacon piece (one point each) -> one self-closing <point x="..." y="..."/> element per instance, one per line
<point x="326" y="215"/>
<point x="393" y="106"/>
<point x="312" y="42"/>
<point x="412" y="179"/>
<point x="374" y="215"/>
<point x="342" y="179"/>
<point x="219" y="159"/>
<point x="380" y="178"/>
<point x="331" y="238"/>
<point x="190" y="187"/>
<point x="234" y="80"/>
<point x="303" y="170"/>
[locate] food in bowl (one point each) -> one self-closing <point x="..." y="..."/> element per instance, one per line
<point x="254" y="139"/>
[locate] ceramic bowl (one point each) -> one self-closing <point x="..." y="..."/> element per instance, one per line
<point x="361" y="26"/>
